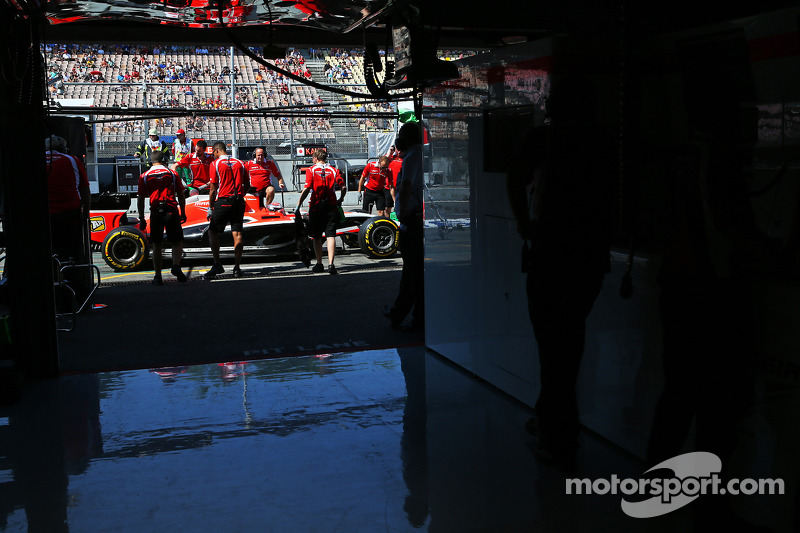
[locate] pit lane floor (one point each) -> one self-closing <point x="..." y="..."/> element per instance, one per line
<point x="195" y="266"/>
<point x="277" y="308"/>
<point x="381" y="440"/>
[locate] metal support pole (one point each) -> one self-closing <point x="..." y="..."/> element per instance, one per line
<point x="144" y="105"/>
<point x="291" y="119"/>
<point x="234" y="144"/>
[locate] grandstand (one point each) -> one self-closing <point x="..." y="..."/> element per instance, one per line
<point x="164" y="77"/>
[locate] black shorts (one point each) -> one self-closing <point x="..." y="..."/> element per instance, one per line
<point x="374" y="197"/>
<point x="262" y="190"/>
<point x="322" y="218"/>
<point x="162" y="220"/>
<point x="388" y="197"/>
<point x="228" y="210"/>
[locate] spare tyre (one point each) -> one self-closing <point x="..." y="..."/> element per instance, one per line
<point x="379" y="237"/>
<point x="125" y="248"/>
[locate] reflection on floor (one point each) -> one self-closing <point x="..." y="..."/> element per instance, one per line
<point x="393" y="440"/>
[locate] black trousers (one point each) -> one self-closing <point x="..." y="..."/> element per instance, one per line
<point x="66" y="235"/>
<point x="708" y="366"/>
<point x="67" y="240"/>
<point x="411" y="296"/>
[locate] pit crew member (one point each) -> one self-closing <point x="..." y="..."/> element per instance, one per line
<point x="198" y="162"/>
<point x="69" y="197"/>
<point x="395" y="163"/>
<point x="167" y="213"/>
<point x="181" y="148"/>
<point x="229" y="183"/>
<point x="261" y="170"/>
<point x="375" y="179"/>
<point x="323" y="212"/>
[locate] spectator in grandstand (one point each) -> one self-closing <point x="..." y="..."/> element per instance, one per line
<point x="409" y="185"/>
<point x="375" y="179"/>
<point x="198" y="163"/>
<point x="261" y="171"/>
<point x="229" y="183"/>
<point x="167" y="213"/>
<point x="152" y="144"/>
<point x="68" y="196"/>
<point x="323" y="212"/>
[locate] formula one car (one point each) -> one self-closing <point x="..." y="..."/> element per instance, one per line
<point x="125" y="247"/>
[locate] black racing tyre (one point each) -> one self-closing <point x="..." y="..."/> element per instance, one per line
<point x="379" y="237"/>
<point x="125" y="248"/>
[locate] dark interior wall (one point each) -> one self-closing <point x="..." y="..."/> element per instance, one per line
<point x="23" y="185"/>
<point x="675" y="90"/>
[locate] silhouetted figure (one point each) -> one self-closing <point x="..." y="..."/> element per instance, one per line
<point x="414" y="442"/>
<point x="705" y="314"/>
<point x="570" y="167"/>
<point x="705" y="306"/>
<point x="409" y="202"/>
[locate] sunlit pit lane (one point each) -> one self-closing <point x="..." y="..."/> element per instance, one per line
<point x="195" y="267"/>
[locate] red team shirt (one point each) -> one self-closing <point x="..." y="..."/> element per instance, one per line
<point x="261" y="174"/>
<point x="321" y="179"/>
<point x="198" y="166"/>
<point x="377" y="178"/>
<point x="394" y="167"/>
<point x="161" y="185"/>
<point x="230" y="176"/>
<point x="65" y="176"/>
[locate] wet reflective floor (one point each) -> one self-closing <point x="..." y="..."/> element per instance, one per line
<point x="383" y="440"/>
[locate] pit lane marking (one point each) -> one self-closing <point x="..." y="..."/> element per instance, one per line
<point x="144" y="273"/>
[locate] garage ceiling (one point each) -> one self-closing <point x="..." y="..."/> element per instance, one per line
<point x="343" y="22"/>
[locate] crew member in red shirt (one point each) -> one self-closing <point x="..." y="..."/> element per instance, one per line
<point x="395" y="164"/>
<point x="167" y="213"/>
<point x="323" y="212"/>
<point x="229" y="183"/>
<point x="261" y="170"/>
<point x="375" y="179"/>
<point x="198" y="162"/>
<point x="69" y="198"/>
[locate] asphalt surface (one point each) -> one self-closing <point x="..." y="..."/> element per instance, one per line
<point x="277" y="309"/>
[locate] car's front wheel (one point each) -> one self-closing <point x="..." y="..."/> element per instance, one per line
<point x="379" y="237"/>
<point x="125" y="248"/>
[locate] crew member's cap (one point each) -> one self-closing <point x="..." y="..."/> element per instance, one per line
<point x="153" y="131"/>
<point x="180" y="132"/>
